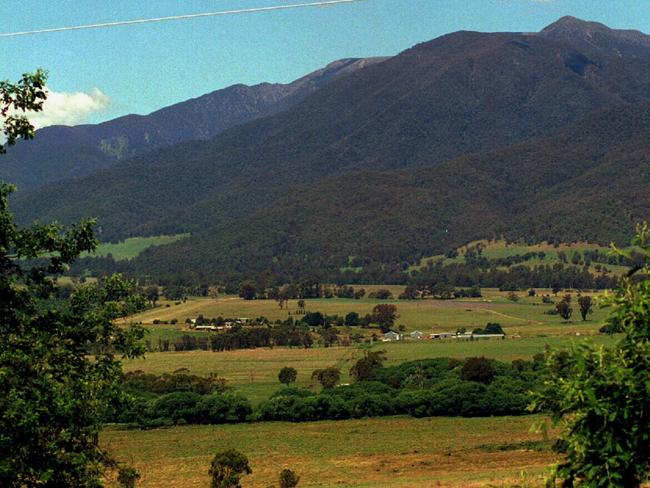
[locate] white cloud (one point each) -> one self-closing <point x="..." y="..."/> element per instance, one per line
<point x="63" y="108"/>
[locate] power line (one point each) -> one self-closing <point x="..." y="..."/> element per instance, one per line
<point x="178" y="17"/>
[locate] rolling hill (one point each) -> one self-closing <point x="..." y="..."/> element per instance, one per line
<point x="471" y="135"/>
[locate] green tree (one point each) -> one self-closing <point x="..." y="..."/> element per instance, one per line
<point x="384" y="314"/>
<point x="288" y="478"/>
<point x="563" y="307"/>
<point x="16" y="100"/>
<point x="327" y="377"/>
<point x="478" y="369"/>
<point x="364" y="367"/>
<point x="59" y="372"/>
<point x="247" y="291"/>
<point x="601" y="396"/>
<point x="287" y="375"/>
<point x="352" y="319"/>
<point x="227" y="468"/>
<point x="152" y="294"/>
<point x="586" y="304"/>
<point x="58" y="366"/>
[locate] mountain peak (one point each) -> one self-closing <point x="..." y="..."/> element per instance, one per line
<point x="573" y="25"/>
<point x="583" y="33"/>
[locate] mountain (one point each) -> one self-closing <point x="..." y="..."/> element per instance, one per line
<point x="466" y="136"/>
<point x="589" y="35"/>
<point x="588" y="181"/>
<point x="61" y="152"/>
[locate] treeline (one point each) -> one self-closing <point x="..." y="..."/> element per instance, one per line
<point x="434" y="387"/>
<point x="515" y="278"/>
<point x="179" y="398"/>
<point x="281" y="284"/>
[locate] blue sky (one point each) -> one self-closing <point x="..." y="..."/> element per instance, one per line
<point x="138" y="69"/>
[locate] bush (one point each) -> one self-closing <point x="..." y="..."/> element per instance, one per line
<point x="292" y="391"/>
<point x="287" y="375"/>
<point x="288" y="479"/>
<point x="382" y="294"/>
<point x="478" y="369"/>
<point x="176" y="406"/>
<point x="220" y="408"/>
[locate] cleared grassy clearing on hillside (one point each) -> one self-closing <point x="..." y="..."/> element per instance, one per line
<point x="390" y="451"/>
<point x="133" y="246"/>
<point x="495" y="249"/>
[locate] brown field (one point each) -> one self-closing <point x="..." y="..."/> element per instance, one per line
<point x="381" y="452"/>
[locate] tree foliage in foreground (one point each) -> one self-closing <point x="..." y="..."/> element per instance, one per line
<point x="58" y="367"/>
<point x="16" y="99"/>
<point x="601" y="396"/>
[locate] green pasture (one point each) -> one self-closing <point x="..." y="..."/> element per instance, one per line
<point x="525" y="317"/>
<point x="254" y="372"/>
<point x="133" y="246"/>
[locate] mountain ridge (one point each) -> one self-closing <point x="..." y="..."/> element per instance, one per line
<point x="430" y="111"/>
<point x="61" y="152"/>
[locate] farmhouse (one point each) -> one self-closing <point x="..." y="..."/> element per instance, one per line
<point x="441" y="335"/>
<point x="473" y="337"/>
<point x="391" y="336"/>
<point x="416" y="335"/>
<point x="206" y="327"/>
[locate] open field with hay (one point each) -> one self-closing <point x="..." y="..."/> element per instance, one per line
<point x="380" y="452"/>
<point x="377" y="452"/>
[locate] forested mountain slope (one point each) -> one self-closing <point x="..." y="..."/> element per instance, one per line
<point x="404" y="158"/>
<point x="61" y="152"/>
<point x="589" y="181"/>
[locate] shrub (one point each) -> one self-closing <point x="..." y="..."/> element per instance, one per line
<point x="327" y="377"/>
<point x="220" y="408"/>
<point x="176" y="406"/>
<point x="288" y="479"/>
<point x="287" y="375"/>
<point x="478" y="369"/>
<point x="382" y="294"/>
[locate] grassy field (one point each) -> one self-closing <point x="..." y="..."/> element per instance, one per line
<point x="524" y="317"/>
<point x="131" y="247"/>
<point x="380" y="452"/>
<point x="254" y="372"/>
